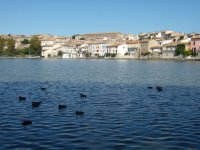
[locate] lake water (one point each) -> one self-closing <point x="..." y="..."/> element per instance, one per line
<point x="120" y="112"/>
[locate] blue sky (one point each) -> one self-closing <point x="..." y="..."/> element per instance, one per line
<point x="68" y="17"/>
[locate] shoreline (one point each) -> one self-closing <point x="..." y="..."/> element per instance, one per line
<point x="145" y="59"/>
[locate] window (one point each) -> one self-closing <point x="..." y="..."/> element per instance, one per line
<point x="194" y="43"/>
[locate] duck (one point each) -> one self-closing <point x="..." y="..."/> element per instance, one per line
<point x="159" y="88"/>
<point x="60" y="106"/>
<point x="82" y="95"/>
<point x="36" y="104"/>
<point x="21" y="98"/>
<point x="42" y="88"/>
<point x="79" y="112"/>
<point x="26" y="122"/>
<point x="150" y="87"/>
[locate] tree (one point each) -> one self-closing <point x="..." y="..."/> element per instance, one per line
<point x="25" y="41"/>
<point x="60" y="53"/>
<point x="2" y="45"/>
<point x="35" y="45"/>
<point x="113" y="55"/>
<point x="181" y="37"/>
<point x="10" y="46"/>
<point x="180" y="49"/>
<point x="74" y="36"/>
<point x="107" y="54"/>
<point x="87" y="54"/>
<point x="187" y="52"/>
<point x="82" y="38"/>
<point x="22" y="52"/>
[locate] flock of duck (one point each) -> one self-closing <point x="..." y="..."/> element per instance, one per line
<point x="38" y="103"/>
<point x="62" y="106"/>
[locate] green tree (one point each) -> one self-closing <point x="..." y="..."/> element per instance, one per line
<point x="25" y="41"/>
<point x="82" y="38"/>
<point x="35" y="46"/>
<point x="74" y="36"/>
<point x="107" y="54"/>
<point x="22" y="52"/>
<point x="187" y="52"/>
<point x="180" y="49"/>
<point x="113" y="55"/>
<point x="2" y="45"/>
<point x="10" y="47"/>
<point x="60" y="53"/>
<point x="181" y="37"/>
<point x="87" y="54"/>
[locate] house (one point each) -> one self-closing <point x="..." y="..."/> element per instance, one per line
<point x="50" y="45"/>
<point x="145" y="45"/>
<point x="117" y="49"/>
<point x="112" y="49"/>
<point x="195" y="45"/>
<point x="168" y="50"/>
<point x="68" y="50"/>
<point x="122" y="50"/>
<point x="97" y="49"/>
<point x="18" y="39"/>
<point x="47" y="44"/>
<point x="50" y="51"/>
<point x="83" y="50"/>
<point x="47" y="41"/>
<point x="61" y="40"/>
<point x="130" y="37"/>
<point x="156" y="51"/>
<point x="133" y="48"/>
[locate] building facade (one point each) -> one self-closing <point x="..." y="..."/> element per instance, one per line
<point x="195" y="45"/>
<point x="97" y="49"/>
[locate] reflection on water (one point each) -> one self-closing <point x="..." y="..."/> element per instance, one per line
<point x="120" y="112"/>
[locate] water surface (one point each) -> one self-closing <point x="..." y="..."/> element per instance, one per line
<point x="120" y="111"/>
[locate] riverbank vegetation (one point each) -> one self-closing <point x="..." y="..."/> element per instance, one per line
<point x="31" y="48"/>
<point x="182" y="51"/>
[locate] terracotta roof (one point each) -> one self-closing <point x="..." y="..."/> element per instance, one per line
<point x="171" y="44"/>
<point x="70" y="45"/>
<point x="196" y="37"/>
<point x="155" y="47"/>
<point x="186" y="43"/>
<point x="102" y="42"/>
<point x="132" y="42"/>
<point x="144" y="41"/>
<point x="114" y="45"/>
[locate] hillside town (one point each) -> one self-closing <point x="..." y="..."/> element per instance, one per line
<point x="152" y="45"/>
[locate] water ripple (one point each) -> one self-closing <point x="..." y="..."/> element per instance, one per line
<point x="117" y="115"/>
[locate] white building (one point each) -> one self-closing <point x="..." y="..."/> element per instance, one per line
<point x="51" y="45"/>
<point x="97" y="49"/>
<point x="50" y="50"/>
<point x="68" y="51"/>
<point x="122" y="49"/>
<point x="117" y="48"/>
